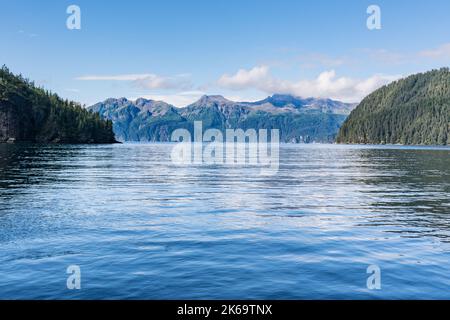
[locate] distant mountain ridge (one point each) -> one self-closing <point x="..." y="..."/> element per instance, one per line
<point x="298" y="119"/>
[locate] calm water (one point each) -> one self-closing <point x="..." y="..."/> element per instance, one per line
<point x="140" y="227"/>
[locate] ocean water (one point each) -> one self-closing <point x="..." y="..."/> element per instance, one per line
<point x="140" y="227"/>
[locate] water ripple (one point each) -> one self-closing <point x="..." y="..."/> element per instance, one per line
<point x="141" y="228"/>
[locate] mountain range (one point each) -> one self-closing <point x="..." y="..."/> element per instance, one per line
<point x="411" y="111"/>
<point x="299" y="120"/>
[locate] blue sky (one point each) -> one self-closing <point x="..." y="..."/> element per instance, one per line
<point x="243" y="49"/>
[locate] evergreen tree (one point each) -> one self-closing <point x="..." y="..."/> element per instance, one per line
<point x="412" y="111"/>
<point x="43" y="116"/>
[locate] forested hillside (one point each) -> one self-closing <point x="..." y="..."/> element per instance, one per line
<point x="29" y="113"/>
<point x="411" y="111"/>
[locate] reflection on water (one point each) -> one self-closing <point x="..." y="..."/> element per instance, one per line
<point x="140" y="227"/>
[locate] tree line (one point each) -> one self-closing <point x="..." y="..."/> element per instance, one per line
<point x="411" y="111"/>
<point x="42" y="116"/>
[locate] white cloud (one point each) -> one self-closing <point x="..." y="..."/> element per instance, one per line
<point x="417" y="57"/>
<point x="180" y="99"/>
<point x="156" y="82"/>
<point x="245" y="78"/>
<point x="31" y="35"/>
<point x="146" y="80"/>
<point x="326" y="85"/>
<point x="388" y="57"/>
<point x="442" y="51"/>
<point x="122" y="77"/>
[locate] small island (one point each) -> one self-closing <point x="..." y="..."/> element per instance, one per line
<point x="32" y="114"/>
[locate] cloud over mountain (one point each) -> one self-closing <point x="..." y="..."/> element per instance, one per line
<point x="145" y="80"/>
<point x="442" y="51"/>
<point x="327" y="84"/>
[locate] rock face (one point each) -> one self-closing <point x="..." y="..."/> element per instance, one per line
<point x="15" y="123"/>
<point x="8" y="123"/>
<point x="31" y="114"/>
<point x="299" y="120"/>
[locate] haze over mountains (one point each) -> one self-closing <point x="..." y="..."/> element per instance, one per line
<point x="299" y="120"/>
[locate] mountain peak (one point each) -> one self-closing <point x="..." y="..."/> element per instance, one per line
<point x="298" y="119"/>
<point x="281" y="100"/>
<point x="283" y="96"/>
<point x="142" y="101"/>
<point x="114" y="100"/>
<point x="215" y="98"/>
<point x="212" y="98"/>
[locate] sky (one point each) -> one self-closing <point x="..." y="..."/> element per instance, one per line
<point x="245" y="50"/>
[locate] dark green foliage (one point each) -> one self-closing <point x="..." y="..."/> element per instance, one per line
<point x="29" y="113"/>
<point x="306" y="127"/>
<point x="411" y="111"/>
